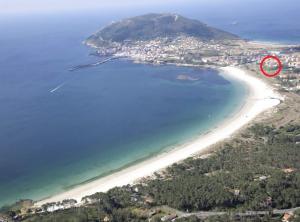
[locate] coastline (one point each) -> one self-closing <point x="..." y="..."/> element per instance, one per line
<point x="271" y="43"/>
<point x="260" y="98"/>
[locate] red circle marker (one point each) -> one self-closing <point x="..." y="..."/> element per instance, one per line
<point x="267" y="74"/>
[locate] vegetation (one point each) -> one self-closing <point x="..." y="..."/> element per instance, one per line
<point x="259" y="171"/>
<point x="151" y="26"/>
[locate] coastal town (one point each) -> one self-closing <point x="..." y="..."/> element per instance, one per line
<point x="192" y="51"/>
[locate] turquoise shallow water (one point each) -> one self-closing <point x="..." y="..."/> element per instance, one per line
<point x="99" y="119"/>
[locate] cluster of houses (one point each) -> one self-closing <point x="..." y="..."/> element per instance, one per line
<point x="65" y="204"/>
<point x="185" y="50"/>
<point x="191" y="50"/>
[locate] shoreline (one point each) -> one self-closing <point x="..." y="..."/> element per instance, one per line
<point x="259" y="98"/>
<point x="272" y="43"/>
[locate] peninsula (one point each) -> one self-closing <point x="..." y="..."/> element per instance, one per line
<point x="174" y="39"/>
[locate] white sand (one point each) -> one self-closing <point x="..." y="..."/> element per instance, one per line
<point x="261" y="97"/>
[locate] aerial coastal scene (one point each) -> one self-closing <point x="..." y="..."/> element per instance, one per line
<point x="150" y="111"/>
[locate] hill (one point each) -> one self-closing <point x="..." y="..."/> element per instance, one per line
<point x="151" y="26"/>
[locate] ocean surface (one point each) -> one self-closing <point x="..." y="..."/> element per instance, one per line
<point x="60" y="128"/>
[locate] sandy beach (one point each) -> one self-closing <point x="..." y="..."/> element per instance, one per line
<point x="261" y="97"/>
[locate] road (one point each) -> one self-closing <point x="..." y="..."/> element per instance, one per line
<point x="205" y="214"/>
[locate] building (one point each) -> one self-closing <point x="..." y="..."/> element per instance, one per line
<point x="106" y="219"/>
<point x="287" y="217"/>
<point x="168" y="217"/>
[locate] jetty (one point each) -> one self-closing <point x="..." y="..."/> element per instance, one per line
<point x="93" y="64"/>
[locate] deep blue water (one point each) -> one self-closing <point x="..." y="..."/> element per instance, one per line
<point x="269" y="20"/>
<point x="100" y="118"/>
<point x="104" y="117"/>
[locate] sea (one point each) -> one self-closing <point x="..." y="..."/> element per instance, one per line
<point x="59" y="128"/>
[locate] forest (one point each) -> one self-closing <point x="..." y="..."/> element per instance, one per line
<point x="258" y="171"/>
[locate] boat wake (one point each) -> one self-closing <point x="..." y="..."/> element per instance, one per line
<point x="57" y="88"/>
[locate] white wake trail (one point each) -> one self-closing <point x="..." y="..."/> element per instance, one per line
<point x="56" y="88"/>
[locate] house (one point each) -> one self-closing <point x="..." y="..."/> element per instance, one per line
<point x="106" y="219"/>
<point x="152" y="213"/>
<point x="148" y="200"/>
<point x="287" y="217"/>
<point x="236" y="192"/>
<point x="168" y="217"/>
<point x="268" y="201"/>
<point x="68" y="203"/>
<point x="136" y="189"/>
<point x="261" y="178"/>
<point x="288" y="170"/>
<point x="87" y="200"/>
<point x="3" y="218"/>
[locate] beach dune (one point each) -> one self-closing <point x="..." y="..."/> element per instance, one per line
<point x="261" y="97"/>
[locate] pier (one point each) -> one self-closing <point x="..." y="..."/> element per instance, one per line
<point x="92" y="64"/>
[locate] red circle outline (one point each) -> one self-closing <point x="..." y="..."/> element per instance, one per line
<point x="277" y="71"/>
